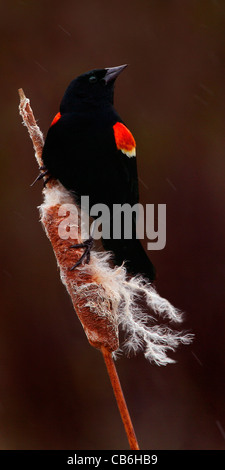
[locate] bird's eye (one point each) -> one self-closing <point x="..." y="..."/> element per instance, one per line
<point x="93" y="79"/>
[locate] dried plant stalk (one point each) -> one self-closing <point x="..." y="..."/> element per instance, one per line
<point x="33" y="129"/>
<point x="120" y="399"/>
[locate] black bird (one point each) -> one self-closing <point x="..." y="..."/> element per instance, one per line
<point x="91" y="152"/>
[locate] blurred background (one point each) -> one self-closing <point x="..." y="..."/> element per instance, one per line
<point x="54" y="390"/>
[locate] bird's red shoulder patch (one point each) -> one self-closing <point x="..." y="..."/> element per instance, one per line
<point x="124" y="139"/>
<point x="56" y="118"/>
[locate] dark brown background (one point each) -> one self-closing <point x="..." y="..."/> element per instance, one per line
<point x="54" y="391"/>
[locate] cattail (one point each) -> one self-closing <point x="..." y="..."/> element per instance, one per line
<point x="104" y="298"/>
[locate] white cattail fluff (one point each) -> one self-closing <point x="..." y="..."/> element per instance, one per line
<point x="140" y="326"/>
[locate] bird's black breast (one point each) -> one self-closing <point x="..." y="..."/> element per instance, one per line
<point x="81" y="152"/>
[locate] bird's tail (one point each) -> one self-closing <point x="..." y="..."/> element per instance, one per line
<point x="133" y="254"/>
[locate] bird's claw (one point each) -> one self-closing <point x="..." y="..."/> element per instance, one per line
<point x="87" y="245"/>
<point x="44" y="172"/>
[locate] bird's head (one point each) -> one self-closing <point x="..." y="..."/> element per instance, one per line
<point x="92" y="88"/>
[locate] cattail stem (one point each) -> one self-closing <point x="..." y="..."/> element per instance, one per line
<point x="117" y="389"/>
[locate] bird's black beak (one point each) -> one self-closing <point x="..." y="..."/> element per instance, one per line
<point x="113" y="72"/>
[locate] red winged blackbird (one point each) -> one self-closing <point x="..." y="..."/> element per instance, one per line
<point x="91" y="152"/>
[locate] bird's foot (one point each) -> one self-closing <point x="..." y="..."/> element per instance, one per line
<point x="87" y="245"/>
<point x="44" y="172"/>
